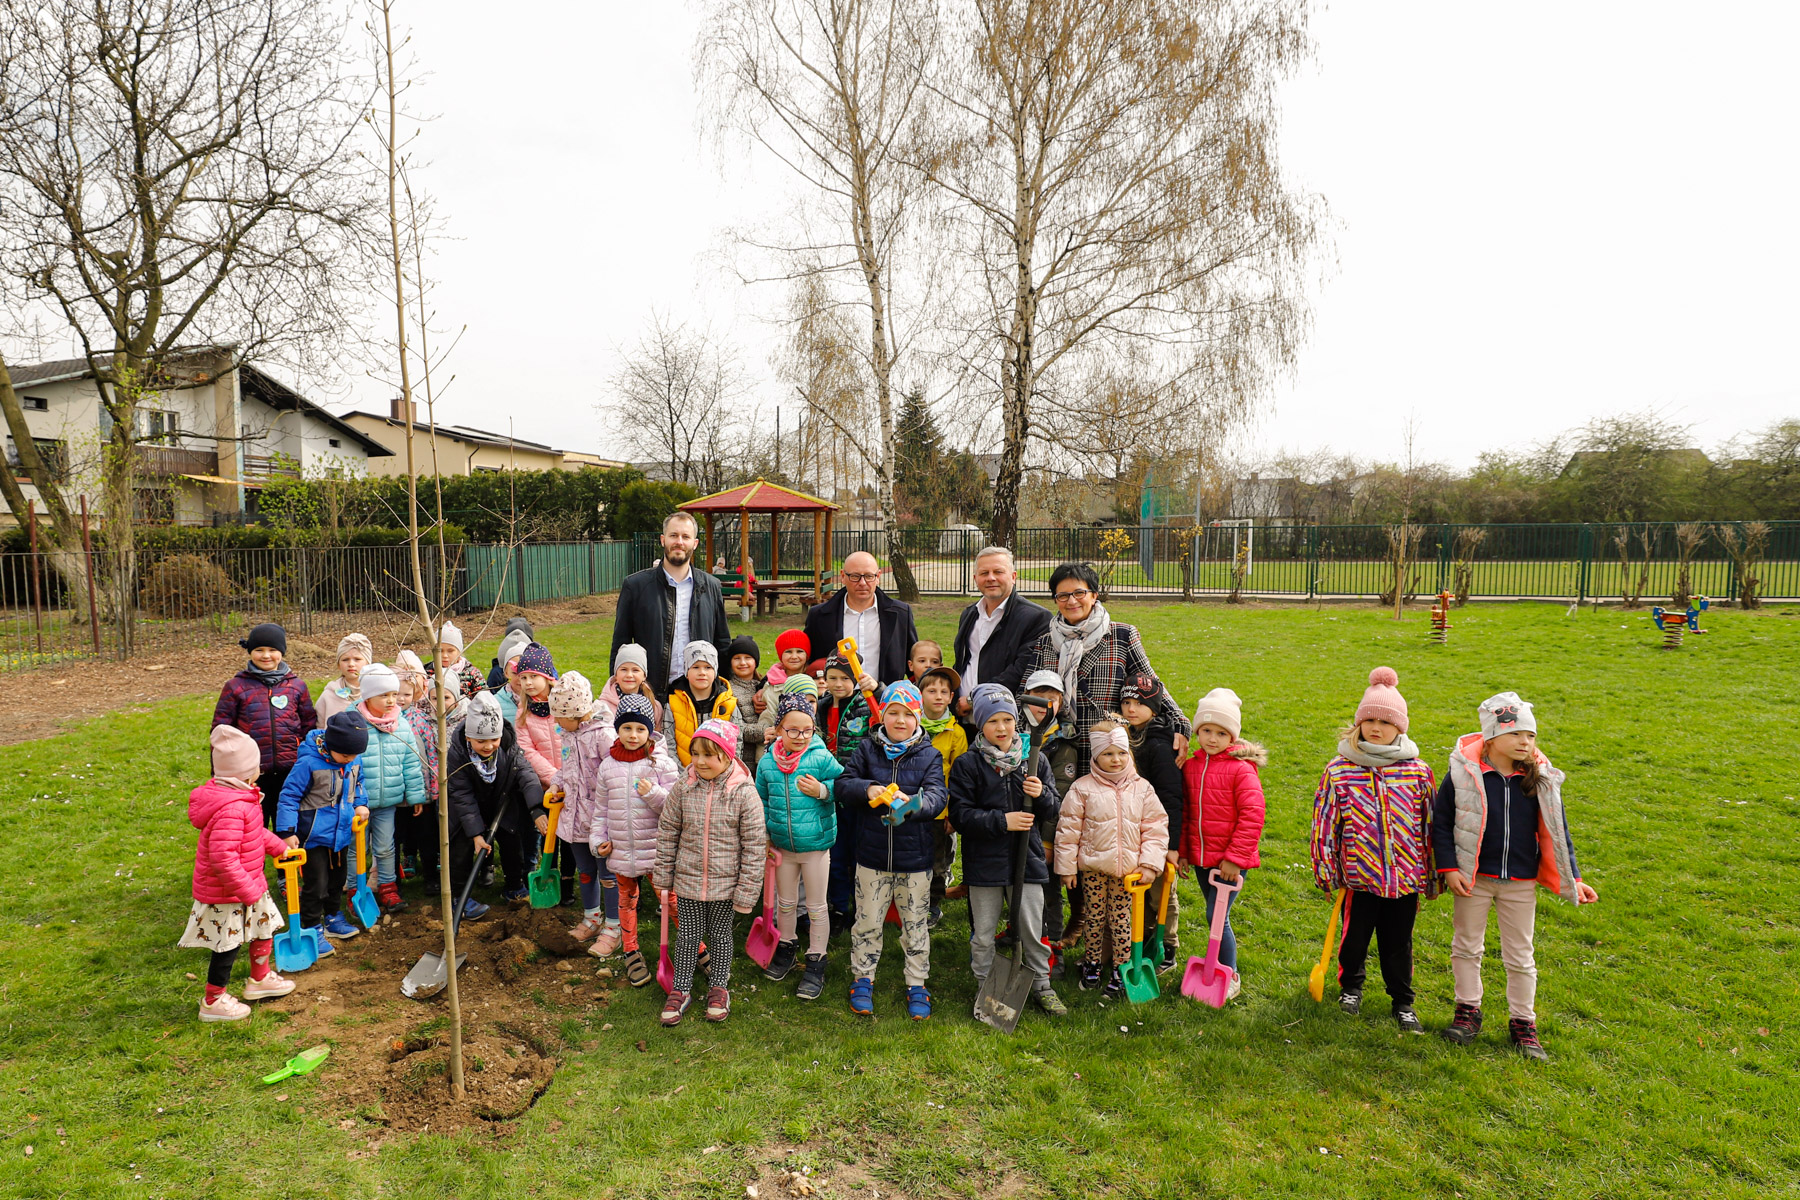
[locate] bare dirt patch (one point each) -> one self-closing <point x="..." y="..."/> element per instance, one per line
<point x="389" y="1065"/>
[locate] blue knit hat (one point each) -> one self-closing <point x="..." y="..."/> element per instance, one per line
<point x="991" y="698"/>
<point x="635" y="708"/>
<point x="536" y="660"/>
<point x="347" y="733"/>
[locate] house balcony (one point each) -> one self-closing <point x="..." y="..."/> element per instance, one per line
<point x="168" y="461"/>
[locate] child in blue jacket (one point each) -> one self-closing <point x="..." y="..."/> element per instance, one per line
<point x="894" y="855"/>
<point x="322" y="795"/>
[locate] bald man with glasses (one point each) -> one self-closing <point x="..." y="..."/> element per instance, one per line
<point x="882" y="626"/>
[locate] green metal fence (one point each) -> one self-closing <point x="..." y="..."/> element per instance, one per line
<point x="543" y="571"/>
<point x="1560" y="562"/>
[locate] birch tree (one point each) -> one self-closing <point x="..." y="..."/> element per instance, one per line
<point x="1109" y="171"/>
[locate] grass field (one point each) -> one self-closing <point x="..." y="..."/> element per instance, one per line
<point x="1671" y="1008"/>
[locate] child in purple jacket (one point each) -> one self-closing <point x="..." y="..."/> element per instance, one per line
<point x="268" y="701"/>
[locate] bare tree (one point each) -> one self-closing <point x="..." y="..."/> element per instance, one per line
<point x="833" y="88"/>
<point x="176" y="174"/>
<point x="1111" y="167"/>
<point x="680" y="392"/>
<point x="820" y="360"/>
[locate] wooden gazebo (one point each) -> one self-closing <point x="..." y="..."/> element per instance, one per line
<point x="775" y="500"/>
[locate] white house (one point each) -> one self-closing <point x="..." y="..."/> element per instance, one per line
<point x="207" y="442"/>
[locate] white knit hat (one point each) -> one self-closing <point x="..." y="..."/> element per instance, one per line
<point x="378" y="679"/>
<point x="450" y="635"/>
<point x="632" y="653"/>
<point x="1221" y="707"/>
<point x="1505" y="713"/>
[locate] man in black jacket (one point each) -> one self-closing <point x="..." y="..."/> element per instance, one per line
<point x="875" y="619"/>
<point x="664" y="607"/>
<point x="996" y="634"/>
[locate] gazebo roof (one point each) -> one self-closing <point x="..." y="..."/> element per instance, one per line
<point x="760" y="496"/>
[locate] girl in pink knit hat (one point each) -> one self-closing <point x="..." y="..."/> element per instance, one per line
<point x="1371" y="839"/>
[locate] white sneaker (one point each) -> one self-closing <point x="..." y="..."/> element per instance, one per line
<point x="268" y="987"/>
<point x="1237" y="985"/>
<point x="226" y="1008"/>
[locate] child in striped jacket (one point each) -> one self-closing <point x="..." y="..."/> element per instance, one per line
<point x="1371" y="836"/>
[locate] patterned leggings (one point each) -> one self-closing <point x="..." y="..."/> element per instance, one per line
<point x="706" y="921"/>
<point x="1105" y="918"/>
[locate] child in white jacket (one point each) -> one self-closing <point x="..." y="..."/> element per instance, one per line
<point x="585" y="740"/>
<point x="632" y="783"/>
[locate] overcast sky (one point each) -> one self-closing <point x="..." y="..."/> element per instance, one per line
<point x="1544" y="212"/>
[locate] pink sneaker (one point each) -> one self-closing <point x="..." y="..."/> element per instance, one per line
<point x="588" y="928"/>
<point x="268" y="987"/>
<point x="226" y="1008"/>
<point x="607" y="942"/>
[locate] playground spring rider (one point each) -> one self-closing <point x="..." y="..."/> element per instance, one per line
<point x="1674" y="625"/>
<point x="1440" y="620"/>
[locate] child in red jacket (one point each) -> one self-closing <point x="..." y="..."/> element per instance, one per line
<point x="232" y="905"/>
<point x="1225" y="806"/>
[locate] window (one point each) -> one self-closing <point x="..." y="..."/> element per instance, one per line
<point x="36" y="404"/>
<point x="159" y="425"/>
<point x="155" y="506"/>
<point x="333" y="443"/>
<point x="54" y="452"/>
<point x="480" y="470"/>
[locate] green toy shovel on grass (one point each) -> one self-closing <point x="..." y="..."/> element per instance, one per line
<point x="303" y="1063"/>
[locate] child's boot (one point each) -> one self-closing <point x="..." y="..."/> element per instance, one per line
<point x="1465" y="1027"/>
<point x="637" y="971"/>
<point x="783" y="962"/>
<point x="1524" y="1035"/>
<point x="812" y="982"/>
<point x="718" y="1004"/>
<point x="862" y="997"/>
<point x="223" y="1007"/>
<point x="388" y="896"/>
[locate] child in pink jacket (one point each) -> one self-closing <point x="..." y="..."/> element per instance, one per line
<point x="232" y="905"/>
<point x="585" y="738"/>
<point x="539" y="739"/>
<point x="1224" y="808"/>
<point x="1112" y="826"/>
<point x="633" y="780"/>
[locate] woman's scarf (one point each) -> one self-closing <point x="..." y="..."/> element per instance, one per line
<point x="1073" y="642"/>
<point x="387" y="724"/>
<point x="788" y="763"/>
<point x="896" y="749"/>
<point x="271" y="678"/>
<point x="1004" y="762"/>
<point x="1368" y="754"/>
<point x="936" y="725"/>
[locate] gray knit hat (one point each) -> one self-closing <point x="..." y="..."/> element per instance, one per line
<point x="991" y="698"/>
<point x="484" y="719"/>
<point x="632" y="653"/>
<point x="702" y="652"/>
<point x="1505" y="713"/>
<point x="513" y="645"/>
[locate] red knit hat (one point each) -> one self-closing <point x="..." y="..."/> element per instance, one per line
<point x="1383" y="701"/>
<point x="792" y="639"/>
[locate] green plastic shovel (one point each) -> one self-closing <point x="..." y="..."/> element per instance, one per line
<point x="545" y="880"/>
<point x="303" y="1063"/>
<point x="1153" y="942"/>
<point x="1140" y="976"/>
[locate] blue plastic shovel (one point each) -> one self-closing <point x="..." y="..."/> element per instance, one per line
<point x="362" y="899"/>
<point x="296" y="948"/>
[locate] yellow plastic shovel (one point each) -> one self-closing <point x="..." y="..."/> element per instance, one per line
<point x="1317" y="984"/>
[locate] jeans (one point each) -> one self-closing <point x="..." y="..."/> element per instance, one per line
<point x="1028" y="923"/>
<point x="381" y="845"/>
<point x="1227" y="939"/>
<point x="599" y="888"/>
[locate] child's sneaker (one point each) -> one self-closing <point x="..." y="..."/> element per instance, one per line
<point x="1465" y="1026"/>
<point x="718" y="1004"/>
<point x="587" y="928"/>
<point x="862" y="997"/>
<point x="812" y="981"/>
<point x="1170" y="956"/>
<point x="1350" y="1003"/>
<point x="936" y="916"/>
<point x="1408" y="1020"/>
<point x="474" y="910"/>
<point x="268" y="987"/>
<point x="326" y="949"/>
<point x="1090" y="977"/>
<point x="1237" y="987"/>
<point x="637" y="971"/>
<point x="225" y="1007"/>
<point x="674" y="1007"/>
<point x="1047" y="999"/>
<point x="607" y="942"/>
<point x="1115" y="986"/>
<point x="786" y="953"/>
<point x="387" y="895"/>
<point x="918" y="1003"/>
<point x="337" y="927"/>
<point x="518" y="898"/>
<point x="1524" y="1035"/>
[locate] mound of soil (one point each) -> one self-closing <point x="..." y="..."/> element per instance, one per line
<point x="390" y="1056"/>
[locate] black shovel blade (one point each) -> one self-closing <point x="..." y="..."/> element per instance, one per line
<point x="428" y="977"/>
<point x="1003" y="995"/>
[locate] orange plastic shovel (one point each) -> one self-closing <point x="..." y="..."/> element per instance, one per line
<point x="1317" y="984"/>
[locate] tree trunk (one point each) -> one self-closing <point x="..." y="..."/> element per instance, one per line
<point x="62" y="534"/>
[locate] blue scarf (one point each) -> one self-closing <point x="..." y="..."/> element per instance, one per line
<point x="895" y="749"/>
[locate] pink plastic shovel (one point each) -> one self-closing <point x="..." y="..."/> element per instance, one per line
<point x="1207" y="980"/>
<point x="665" y="966"/>
<point x="760" y="942"/>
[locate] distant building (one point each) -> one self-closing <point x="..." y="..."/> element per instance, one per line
<point x="1271" y="500"/>
<point x="209" y="439"/>
<point x="463" y="449"/>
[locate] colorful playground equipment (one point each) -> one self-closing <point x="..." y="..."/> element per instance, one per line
<point x="1440" y="620"/>
<point x="1675" y="625"/>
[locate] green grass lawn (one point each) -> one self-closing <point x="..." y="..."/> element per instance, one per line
<point x="1671" y="1008"/>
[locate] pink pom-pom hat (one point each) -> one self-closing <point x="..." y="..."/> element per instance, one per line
<point x="1383" y="701"/>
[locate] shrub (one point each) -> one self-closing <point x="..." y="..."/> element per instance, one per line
<point x="185" y="586"/>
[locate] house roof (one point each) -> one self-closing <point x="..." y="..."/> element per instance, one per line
<point x="465" y="434"/>
<point x="269" y="390"/>
<point x="760" y="496"/>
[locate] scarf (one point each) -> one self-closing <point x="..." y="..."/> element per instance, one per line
<point x="896" y="749"/>
<point x="487" y="767"/>
<point x="346" y="691"/>
<point x="537" y="708"/>
<point x="1004" y="762"/>
<point x="936" y="725"/>
<point x="1367" y="754"/>
<point x="271" y="678"/>
<point x="619" y="752"/>
<point x="777" y="676"/>
<point x="386" y="724"/>
<point x="1111" y="739"/>
<point x="1073" y="642"/>
<point x="785" y="762"/>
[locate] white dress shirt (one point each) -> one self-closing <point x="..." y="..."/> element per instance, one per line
<point x="983" y="629"/>
<point x="865" y="627"/>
